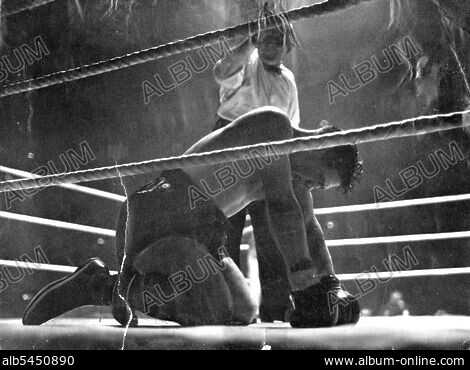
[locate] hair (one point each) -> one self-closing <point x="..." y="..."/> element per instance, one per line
<point x="345" y="158"/>
<point x="274" y="17"/>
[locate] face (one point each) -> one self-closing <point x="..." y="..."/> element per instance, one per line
<point x="332" y="178"/>
<point x="322" y="177"/>
<point x="272" y="47"/>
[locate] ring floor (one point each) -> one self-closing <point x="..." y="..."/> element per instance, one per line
<point x="373" y="333"/>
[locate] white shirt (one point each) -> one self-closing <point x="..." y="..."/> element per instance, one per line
<point x="254" y="87"/>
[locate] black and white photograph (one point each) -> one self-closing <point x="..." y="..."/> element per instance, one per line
<point x="235" y="175"/>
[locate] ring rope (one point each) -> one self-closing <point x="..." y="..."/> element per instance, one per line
<point x="57" y="224"/>
<point x="77" y="188"/>
<point x="392" y="205"/>
<point x="170" y="49"/>
<point x="318" y="212"/>
<point x="30" y="5"/>
<point x="342" y="277"/>
<point x="405" y="128"/>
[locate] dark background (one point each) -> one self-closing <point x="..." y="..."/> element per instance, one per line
<point x="108" y="112"/>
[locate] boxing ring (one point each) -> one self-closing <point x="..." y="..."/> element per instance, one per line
<point x="402" y="332"/>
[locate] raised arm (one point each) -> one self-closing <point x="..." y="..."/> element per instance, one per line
<point x="233" y="63"/>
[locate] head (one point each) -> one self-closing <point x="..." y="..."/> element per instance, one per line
<point x="275" y="37"/>
<point x="337" y="167"/>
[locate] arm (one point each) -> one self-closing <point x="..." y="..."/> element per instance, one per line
<point x="274" y="179"/>
<point x="234" y="63"/>
<point x="294" y="112"/>
<point x="285" y="214"/>
<point x="245" y="304"/>
<point x="266" y="125"/>
<point x="288" y="229"/>
<point x="315" y="238"/>
<point x="287" y="225"/>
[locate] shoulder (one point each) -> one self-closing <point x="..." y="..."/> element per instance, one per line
<point x="288" y="77"/>
<point x="287" y="73"/>
<point x="253" y="60"/>
<point x="251" y="69"/>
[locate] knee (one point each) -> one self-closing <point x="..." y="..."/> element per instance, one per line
<point x="270" y="113"/>
<point x="273" y="121"/>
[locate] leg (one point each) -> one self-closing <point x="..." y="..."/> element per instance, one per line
<point x="180" y="281"/>
<point x="176" y="279"/>
<point x="244" y="303"/>
<point x="150" y="214"/>
<point x="90" y="285"/>
<point x="236" y="222"/>
<point x="272" y="270"/>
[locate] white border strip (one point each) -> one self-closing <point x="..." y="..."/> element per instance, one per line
<point x="57" y="224"/>
<point x="397" y="239"/>
<point x="392" y="205"/>
<point x="77" y="188"/>
<point x="404" y="274"/>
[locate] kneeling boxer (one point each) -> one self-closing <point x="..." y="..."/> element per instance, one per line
<point x="170" y="236"/>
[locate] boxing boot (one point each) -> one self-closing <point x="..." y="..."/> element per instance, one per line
<point x="85" y="287"/>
